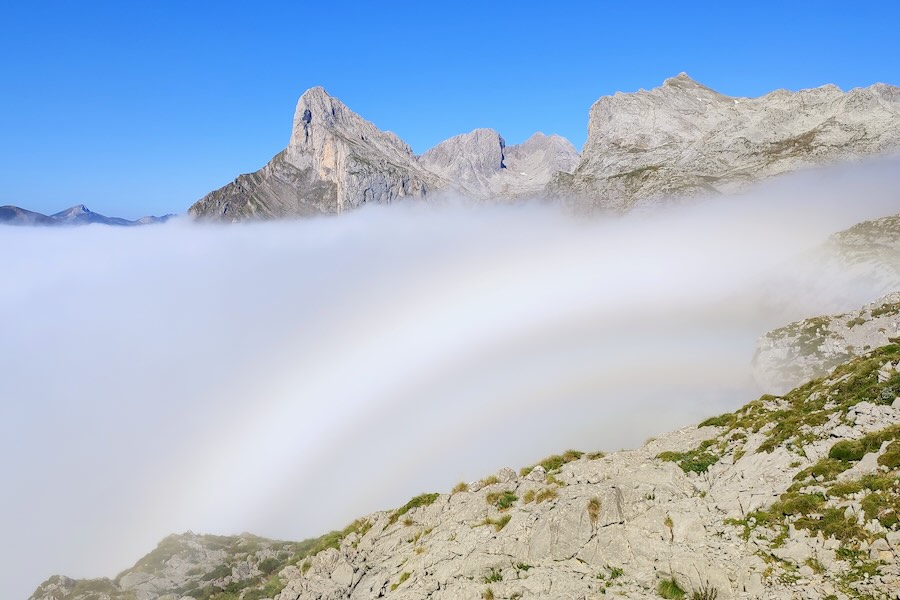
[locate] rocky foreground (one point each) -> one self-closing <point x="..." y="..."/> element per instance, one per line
<point x="795" y="496"/>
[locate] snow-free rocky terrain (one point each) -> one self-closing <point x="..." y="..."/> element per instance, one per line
<point x="643" y="148"/>
<point x="868" y="257"/>
<point x="792" y="496"/>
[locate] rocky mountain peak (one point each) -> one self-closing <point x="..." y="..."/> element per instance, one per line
<point x="480" y="165"/>
<point x="683" y="138"/>
<point x="73" y="211"/>
<point x="334" y="161"/>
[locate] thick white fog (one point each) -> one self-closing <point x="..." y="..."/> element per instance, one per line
<point x="286" y="378"/>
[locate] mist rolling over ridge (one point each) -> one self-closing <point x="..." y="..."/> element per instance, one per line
<point x="283" y="378"/>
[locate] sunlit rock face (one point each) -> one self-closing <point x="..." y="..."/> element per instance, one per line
<point x="684" y="138"/>
<point x="335" y="161"/>
<point x="643" y="148"/>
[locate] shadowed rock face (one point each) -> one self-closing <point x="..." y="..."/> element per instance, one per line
<point x="683" y="138"/>
<point x="335" y="161"/>
<point x="13" y="215"/>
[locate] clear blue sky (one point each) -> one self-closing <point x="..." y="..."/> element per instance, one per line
<point x="143" y="107"/>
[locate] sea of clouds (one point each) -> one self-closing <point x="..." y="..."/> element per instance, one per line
<point x="284" y="378"/>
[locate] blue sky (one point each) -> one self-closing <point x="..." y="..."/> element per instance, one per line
<point x="143" y="107"/>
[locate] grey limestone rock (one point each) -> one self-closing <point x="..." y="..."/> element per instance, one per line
<point x="810" y="348"/>
<point x="683" y="138"/>
<point x="480" y="165"/>
<point x="335" y="161"/>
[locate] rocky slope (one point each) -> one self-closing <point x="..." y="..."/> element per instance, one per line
<point x="335" y="161"/>
<point x="870" y="251"/>
<point x="868" y="257"/>
<point x="788" y="497"/>
<point x="683" y="138"/>
<point x="810" y="348"/>
<point x="480" y="164"/>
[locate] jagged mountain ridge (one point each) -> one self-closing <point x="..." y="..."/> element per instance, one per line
<point x="480" y="165"/>
<point x="335" y="161"/>
<point x="788" y="497"/>
<point x="684" y="138"/>
<point x="75" y="215"/>
<point x="679" y="139"/>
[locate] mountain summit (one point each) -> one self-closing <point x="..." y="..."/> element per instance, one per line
<point x="481" y="165"/>
<point x="683" y="138"/>
<point x="335" y="161"/>
<point x="679" y="139"/>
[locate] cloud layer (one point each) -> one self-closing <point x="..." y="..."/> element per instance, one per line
<point x="284" y="378"/>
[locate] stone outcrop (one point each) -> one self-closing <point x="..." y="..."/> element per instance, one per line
<point x="684" y="138"/>
<point x="867" y="256"/>
<point x="480" y="165"/>
<point x="790" y="355"/>
<point x="335" y="161"/>
<point x="788" y="497"/>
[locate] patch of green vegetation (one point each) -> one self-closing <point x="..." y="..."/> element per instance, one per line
<point x="269" y="565"/>
<point x="891" y="456"/>
<point x="669" y="589"/>
<point x="854" y="450"/>
<point x="886" y="310"/>
<point x="401" y="580"/>
<point x="817" y="567"/>
<point x="462" y="486"/>
<point x="698" y="460"/>
<point x="832" y="523"/>
<point x="502" y="500"/>
<point x="493" y="576"/>
<point x="272" y="588"/>
<point x="522" y="567"/>
<point x="546" y="494"/>
<point x="223" y="570"/>
<point x="418" y="501"/>
<point x="554" y="462"/>
<point x="720" y="421"/>
<point x="826" y="469"/>
<point x="789" y="419"/>
<point x="883" y="506"/>
<point x="705" y="592"/>
<point x="593" y="509"/>
<point x="498" y="523"/>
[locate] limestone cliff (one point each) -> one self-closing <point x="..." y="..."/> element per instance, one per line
<point x="335" y="161"/>
<point x="480" y="164"/>
<point x="684" y="138"/>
